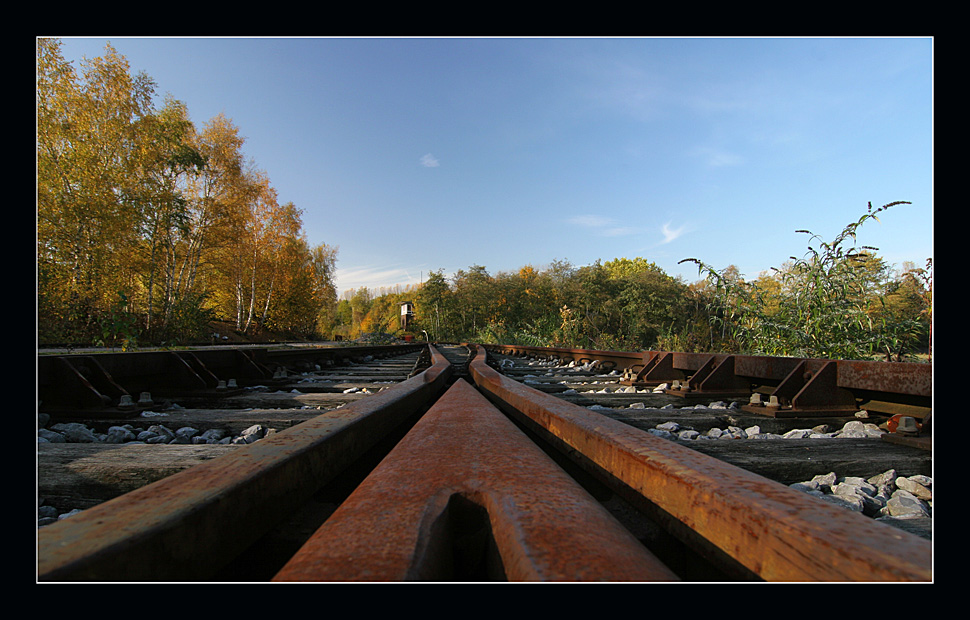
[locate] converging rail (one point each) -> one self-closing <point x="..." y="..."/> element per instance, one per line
<point x="466" y="493"/>
<point x="774" y="532"/>
<point x="474" y="476"/>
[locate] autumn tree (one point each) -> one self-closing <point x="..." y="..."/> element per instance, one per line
<point x="905" y="312"/>
<point x="287" y="266"/>
<point x="523" y="314"/>
<point x="92" y="141"/>
<point x="165" y="226"/>
<point x="146" y="226"/>
<point x="195" y="288"/>
<point x="360" y="303"/>
<point x="324" y="261"/>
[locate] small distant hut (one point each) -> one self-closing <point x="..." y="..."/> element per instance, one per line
<point x="407" y="314"/>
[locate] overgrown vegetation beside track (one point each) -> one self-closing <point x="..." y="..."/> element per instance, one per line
<point x="839" y="300"/>
<point x="150" y="231"/>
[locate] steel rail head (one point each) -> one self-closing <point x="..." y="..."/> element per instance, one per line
<point x="188" y="525"/>
<point x="778" y="533"/>
<point x="466" y="496"/>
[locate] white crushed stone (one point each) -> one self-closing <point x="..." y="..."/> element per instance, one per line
<point x="884" y="496"/>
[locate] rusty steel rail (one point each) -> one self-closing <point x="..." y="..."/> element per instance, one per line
<point x="804" y="387"/>
<point x="776" y="533"/>
<point x="466" y="495"/>
<point x="189" y="525"/>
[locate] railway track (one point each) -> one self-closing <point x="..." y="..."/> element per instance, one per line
<point x="470" y="463"/>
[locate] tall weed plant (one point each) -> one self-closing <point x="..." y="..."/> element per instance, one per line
<point x="827" y="307"/>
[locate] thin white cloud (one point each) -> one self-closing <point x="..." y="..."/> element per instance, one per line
<point x="429" y="161"/>
<point x="671" y="233"/>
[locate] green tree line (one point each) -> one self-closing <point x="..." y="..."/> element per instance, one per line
<point x="149" y="227"/>
<point x="837" y="301"/>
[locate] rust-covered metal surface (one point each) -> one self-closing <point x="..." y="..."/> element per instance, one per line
<point x="777" y="533"/>
<point x="102" y="381"/>
<point x="467" y="496"/>
<point x="186" y="526"/>
<point x="804" y="385"/>
<point x="912" y="379"/>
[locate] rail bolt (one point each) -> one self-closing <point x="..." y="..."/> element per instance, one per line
<point x="907" y="426"/>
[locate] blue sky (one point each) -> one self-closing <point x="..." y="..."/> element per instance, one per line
<point x="419" y="154"/>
